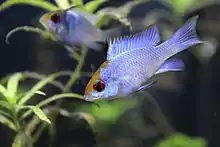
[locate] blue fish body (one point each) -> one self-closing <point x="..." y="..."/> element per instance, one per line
<point x="74" y="27"/>
<point x="132" y="60"/>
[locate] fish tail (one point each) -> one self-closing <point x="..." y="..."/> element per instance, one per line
<point x="186" y="36"/>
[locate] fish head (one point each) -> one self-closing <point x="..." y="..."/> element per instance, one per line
<point x="62" y="23"/>
<point x="54" y="22"/>
<point x="101" y="85"/>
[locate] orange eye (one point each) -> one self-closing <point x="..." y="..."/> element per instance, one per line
<point x="99" y="86"/>
<point x="55" y="18"/>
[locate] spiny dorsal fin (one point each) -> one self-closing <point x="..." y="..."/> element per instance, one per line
<point x="143" y="39"/>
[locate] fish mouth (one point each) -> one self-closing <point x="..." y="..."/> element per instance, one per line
<point x="90" y="98"/>
<point x="43" y="20"/>
<point x="87" y="98"/>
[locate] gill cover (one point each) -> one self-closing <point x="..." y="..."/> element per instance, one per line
<point x="48" y="16"/>
<point x="94" y="78"/>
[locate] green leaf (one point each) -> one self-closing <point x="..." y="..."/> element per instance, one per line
<point x="6" y="121"/>
<point x="77" y="2"/>
<point x="123" y="10"/>
<point x="119" y="13"/>
<point x="32" y="125"/>
<point x="112" y="13"/>
<point x="53" y="98"/>
<point x="180" y="6"/>
<point x="3" y="91"/>
<point x="63" y="4"/>
<point x="40" y="114"/>
<point x="93" y="5"/>
<point x="37" y="111"/>
<point x="4" y="80"/>
<point x="37" y="76"/>
<point x="5" y="105"/>
<point x="180" y="140"/>
<point x="6" y="114"/>
<point x="38" y="86"/>
<point x="41" y="93"/>
<point x="43" y="33"/>
<point x="104" y="19"/>
<point x="12" y="86"/>
<point x="59" y="96"/>
<point x="37" y="3"/>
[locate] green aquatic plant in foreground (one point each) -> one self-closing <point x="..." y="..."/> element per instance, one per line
<point x="180" y="140"/>
<point x="60" y="4"/>
<point x="13" y="105"/>
<point x="11" y="101"/>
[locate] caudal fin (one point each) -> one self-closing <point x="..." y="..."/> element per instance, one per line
<point x="186" y="36"/>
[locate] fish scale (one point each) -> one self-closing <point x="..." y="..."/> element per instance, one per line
<point x="130" y="62"/>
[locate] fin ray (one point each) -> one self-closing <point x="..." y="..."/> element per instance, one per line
<point x="172" y="64"/>
<point x="186" y="36"/>
<point x="122" y="44"/>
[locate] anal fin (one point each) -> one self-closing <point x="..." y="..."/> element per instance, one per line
<point x="172" y="64"/>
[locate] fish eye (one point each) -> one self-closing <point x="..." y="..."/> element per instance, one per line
<point x="99" y="85"/>
<point x="55" y="18"/>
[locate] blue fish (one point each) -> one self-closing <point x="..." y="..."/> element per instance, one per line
<point x="132" y="60"/>
<point x="72" y="27"/>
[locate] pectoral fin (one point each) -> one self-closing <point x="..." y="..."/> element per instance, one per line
<point x="146" y="86"/>
<point x="172" y="64"/>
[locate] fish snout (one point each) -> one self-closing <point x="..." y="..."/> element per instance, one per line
<point x="44" y="21"/>
<point x="88" y="98"/>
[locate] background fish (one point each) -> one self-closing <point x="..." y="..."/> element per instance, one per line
<point x="73" y="27"/>
<point x="132" y="60"/>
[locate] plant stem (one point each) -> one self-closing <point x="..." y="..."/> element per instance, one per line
<point x="77" y="70"/>
<point x="36" y="3"/>
<point x="51" y="99"/>
<point x="37" y="135"/>
<point x="15" y="119"/>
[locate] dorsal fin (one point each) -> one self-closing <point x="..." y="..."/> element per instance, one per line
<point x="90" y="17"/>
<point x="143" y="39"/>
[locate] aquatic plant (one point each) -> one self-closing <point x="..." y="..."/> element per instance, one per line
<point x="14" y="107"/>
<point x="180" y="140"/>
<point x="17" y="103"/>
<point x="13" y="104"/>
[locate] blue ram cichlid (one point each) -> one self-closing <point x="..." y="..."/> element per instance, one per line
<point x="73" y="27"/>
<point x="132" y="60"/>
